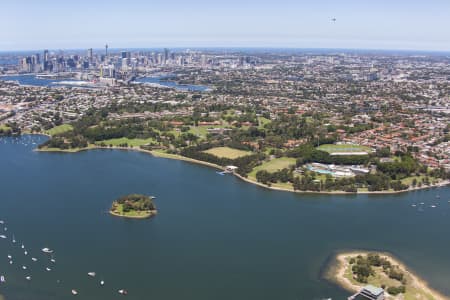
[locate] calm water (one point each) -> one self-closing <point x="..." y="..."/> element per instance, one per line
<point x="33" y="80"/>
<point x="162" y="80"/>
<point x="215" y="237"/>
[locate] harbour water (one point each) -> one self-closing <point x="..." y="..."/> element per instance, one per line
<point x="215" y="237"/>
<point x="34" y="81"/>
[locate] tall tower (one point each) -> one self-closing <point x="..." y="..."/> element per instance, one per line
<point x="90" y="54"/>
<point x="106" y="50"/>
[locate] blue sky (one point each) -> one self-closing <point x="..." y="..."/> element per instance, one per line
<point x="365" y="24"/>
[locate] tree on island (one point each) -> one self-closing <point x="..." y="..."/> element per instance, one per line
<point x="134" y="205"/>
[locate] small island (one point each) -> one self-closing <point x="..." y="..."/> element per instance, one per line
<point x="358" y="270"/>
<point x="134" y="206"/>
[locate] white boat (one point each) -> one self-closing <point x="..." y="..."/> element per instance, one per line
<point x="2" y="222"/>
<point x="74" y="292"/>
<point x="123" y="292"/>
<point x="26" y="253"/>
<point x="6" y="228"/>
<point x="2" y="236"/>
<point x="24" y="267"/>
<point x="10" y="262"/>
<point x="28" y="278"/>
<point x="9" y="256"/>
<point x="413" y="205"/>
<point x="47" y="250"/>
<point x="48" y="269"/>
<point x="23" y="247"/>
<point x="34" y="259"/>
<point x="14" y="239"/>
<point x="92" y="274"/>
<point x="433" y="206"/>
<point x="2" y="278"/>
<point x="102" y="282"/>
<point x="53" y="260"/>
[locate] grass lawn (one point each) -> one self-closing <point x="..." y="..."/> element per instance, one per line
<point x="118" y="209"/>
<point x="263" y="121"/>
<point x="331" y="148"/>
<point x="409" y="180"/>
<point x="202" y="131"/>
<point x="4" y="127"/>
<point x="273" y="165"/>
<point x="130" y="142"/>
<point x="226" y="152"/>
<point x="59" y="129"/>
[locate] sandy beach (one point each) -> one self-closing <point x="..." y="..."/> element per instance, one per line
<point x="339" y="266"/>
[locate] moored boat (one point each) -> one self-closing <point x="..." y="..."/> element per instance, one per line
<point x="123" y="292"/>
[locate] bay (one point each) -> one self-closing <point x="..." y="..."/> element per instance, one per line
<point x="215" y="237"/>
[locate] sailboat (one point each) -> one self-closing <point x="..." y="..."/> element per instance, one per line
<point x="74" y="292"/>
<point x="123" y="292"/>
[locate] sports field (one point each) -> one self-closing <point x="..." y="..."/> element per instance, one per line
<point x="227" y="152"/>
<point x="124" y="140"/>
<point x="273" y="165"/>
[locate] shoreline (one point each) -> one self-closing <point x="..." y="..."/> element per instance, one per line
<point x="182" y="158"/>
<point x="150" y="214"/>
<point x="337" y="266"/>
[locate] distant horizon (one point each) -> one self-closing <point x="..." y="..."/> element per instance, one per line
<point x="237" y="48"/>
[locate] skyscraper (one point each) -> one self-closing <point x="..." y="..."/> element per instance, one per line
<point x="90" y="55"/>
<point x="166" y="55"/>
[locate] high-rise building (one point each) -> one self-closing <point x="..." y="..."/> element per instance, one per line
<point x="203" y="60"/>
<point x="90" y="54"/>
<point x="166" y="55"/>
<point x="125" y="54"/>
<point x="45" y="60"/>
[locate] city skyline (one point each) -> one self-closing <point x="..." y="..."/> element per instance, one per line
<point x="411" y="25"/>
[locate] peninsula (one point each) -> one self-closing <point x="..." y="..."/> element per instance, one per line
<point x="134" y="206"/>
<point x="355" y="270"/>
<point x="297" y="122"/>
